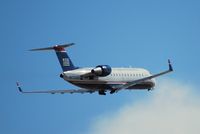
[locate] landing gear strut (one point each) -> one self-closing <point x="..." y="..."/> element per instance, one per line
<point x="102" y="92"/>
<point x="112" y="91"/>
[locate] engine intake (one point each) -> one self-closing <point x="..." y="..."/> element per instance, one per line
<point x="102" y="70"/>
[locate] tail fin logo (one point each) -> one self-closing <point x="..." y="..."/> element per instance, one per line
<point x="66" y="62"/>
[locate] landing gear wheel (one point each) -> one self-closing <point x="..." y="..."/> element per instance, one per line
<point x="112" y="91"/>
<point x="102" y="92"/>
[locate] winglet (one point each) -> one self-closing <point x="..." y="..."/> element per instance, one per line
<point x="170" y="66"/>
<point x="19" y="88"/>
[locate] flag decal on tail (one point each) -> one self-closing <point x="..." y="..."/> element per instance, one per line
<point x="66" y="62"/>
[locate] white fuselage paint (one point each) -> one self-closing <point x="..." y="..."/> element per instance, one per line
<point x="118" y="76"/>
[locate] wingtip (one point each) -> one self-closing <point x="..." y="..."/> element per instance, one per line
<point x="170" y="65"/>
<point x="169" y="61"/>
<point x="18" y="86"/>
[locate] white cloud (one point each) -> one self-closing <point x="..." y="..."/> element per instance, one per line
<point x="174" y="108"/>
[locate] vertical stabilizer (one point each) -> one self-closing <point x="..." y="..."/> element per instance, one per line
<point x="62" y="55"/>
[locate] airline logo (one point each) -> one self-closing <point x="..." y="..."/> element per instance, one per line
<point x="66" y="62"/>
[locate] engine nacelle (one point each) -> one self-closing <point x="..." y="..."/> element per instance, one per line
<point x="102" y="70"/>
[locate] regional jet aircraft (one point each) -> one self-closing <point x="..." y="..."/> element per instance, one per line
<point x="101" y="78"/>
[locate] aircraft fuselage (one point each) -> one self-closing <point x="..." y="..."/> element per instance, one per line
<point x="101" y="78"/>
<point x="117" y="77"/>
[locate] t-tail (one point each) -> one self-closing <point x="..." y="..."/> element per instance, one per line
<point x="62" y="55"/>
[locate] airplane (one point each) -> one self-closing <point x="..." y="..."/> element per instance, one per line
<point x="101" y="78"/>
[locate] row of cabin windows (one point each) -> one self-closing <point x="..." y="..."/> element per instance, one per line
<point x="128" y="75"/>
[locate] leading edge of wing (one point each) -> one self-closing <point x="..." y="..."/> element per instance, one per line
<point x="71" y="91"/>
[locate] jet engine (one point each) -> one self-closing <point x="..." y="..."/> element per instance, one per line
<point x="101" y="70"/>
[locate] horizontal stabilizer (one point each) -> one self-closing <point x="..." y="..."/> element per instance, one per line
<point x="56" y="47"/>
<point x="62" y="55"/>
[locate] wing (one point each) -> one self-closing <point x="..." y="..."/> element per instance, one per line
<point x="138" y="81"/>
<point x="71" y="91"/>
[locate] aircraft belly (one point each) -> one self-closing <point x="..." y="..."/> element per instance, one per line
<point x="91" y="84"/>
<point x="109" y="85"/>
<point x="94" y="86"/>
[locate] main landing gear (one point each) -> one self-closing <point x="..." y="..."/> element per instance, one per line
<point x="150" y="89"/>
<point x="112" y="91"/>
<point x="102" y="92"/>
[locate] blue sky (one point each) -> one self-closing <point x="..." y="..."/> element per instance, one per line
<point x="118" y="33"/>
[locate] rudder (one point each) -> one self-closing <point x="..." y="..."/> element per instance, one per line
<point x="64" y="59"/>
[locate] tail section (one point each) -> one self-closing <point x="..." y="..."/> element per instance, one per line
<point x="62" y="55"/>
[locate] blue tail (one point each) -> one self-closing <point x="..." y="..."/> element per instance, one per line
<point x="64" y="59"/>
<point x="62" y="55"/>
